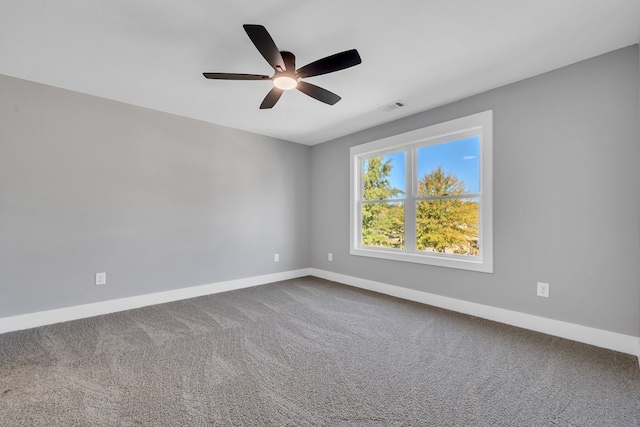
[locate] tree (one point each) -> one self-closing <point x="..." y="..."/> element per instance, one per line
<point x="447" y="225"/>
<point x="382" y="222"/>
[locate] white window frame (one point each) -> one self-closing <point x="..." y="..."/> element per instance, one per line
<point x="480" y="124"/>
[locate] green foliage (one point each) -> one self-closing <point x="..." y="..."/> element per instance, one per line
<point x="446" y="225"/>
<point x="383" y="225"/>
<point x="437" y="183"/>
<point x="376" y="180"/>
<point x="382" y="222"/>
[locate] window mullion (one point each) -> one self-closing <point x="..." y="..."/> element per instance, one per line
<point x="448" y="197"/>
<point x="410" y="204"/>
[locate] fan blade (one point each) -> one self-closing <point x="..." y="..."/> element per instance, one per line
<point x="289" y="59"/>
<point x="265" y="45"/>
<point x="318" y="93"/>
<point x="332" y="63"/>
<point x="271" y="98"/>
<point x="235" y="76"/>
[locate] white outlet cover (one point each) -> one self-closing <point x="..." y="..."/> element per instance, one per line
<point x="101" y="278"/>
<point x="543" y="290"/>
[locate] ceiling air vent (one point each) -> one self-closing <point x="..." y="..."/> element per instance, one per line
<point x="392" y="106"/>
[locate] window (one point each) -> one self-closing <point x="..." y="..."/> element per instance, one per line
<point x="425" y="196"/>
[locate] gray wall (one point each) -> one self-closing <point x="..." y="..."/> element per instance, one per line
<point x="157" y="201"/>
<point x="161" y="202"/>
<point x="566" y="198"/>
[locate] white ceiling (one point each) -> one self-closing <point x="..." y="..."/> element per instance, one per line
<point x="426" y="53"/>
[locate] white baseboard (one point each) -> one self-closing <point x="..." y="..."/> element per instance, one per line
<point x="598" y="337"/>
<point x="42" y="318"/>
<point x="614" y="341"/>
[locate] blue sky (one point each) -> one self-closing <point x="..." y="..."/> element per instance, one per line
<point x="460" y="158"/>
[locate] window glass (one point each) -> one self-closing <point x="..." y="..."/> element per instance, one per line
<point x="383" y="225"/>
<point x="459" y="160"/>
<point x="448" y="226"/>
<point x="384" y="177"/>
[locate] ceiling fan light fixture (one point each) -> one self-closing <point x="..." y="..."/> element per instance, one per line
<point x="286" y="75"/>
<point x="285" y="82"/>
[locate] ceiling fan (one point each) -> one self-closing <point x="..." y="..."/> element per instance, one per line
<point x="286" y="76"/>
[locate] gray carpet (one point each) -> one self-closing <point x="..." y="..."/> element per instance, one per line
<point x="307" y="352"/>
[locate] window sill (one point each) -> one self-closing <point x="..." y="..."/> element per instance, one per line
<point x="438" y="260"/>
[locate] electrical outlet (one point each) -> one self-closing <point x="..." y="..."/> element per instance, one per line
<point x="543" y="290"/>
<point x="276" y="258"/>
<point x="330" y="256"/>
<point x="101" y="279"/>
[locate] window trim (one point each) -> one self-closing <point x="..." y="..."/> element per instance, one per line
<point x="480" y="124"/>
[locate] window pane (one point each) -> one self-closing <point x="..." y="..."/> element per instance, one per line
<point x="448" y="226"/>
<point x="384" y="177"/>
<point x="383" y="225"/>
<point x="449" y="168"/>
